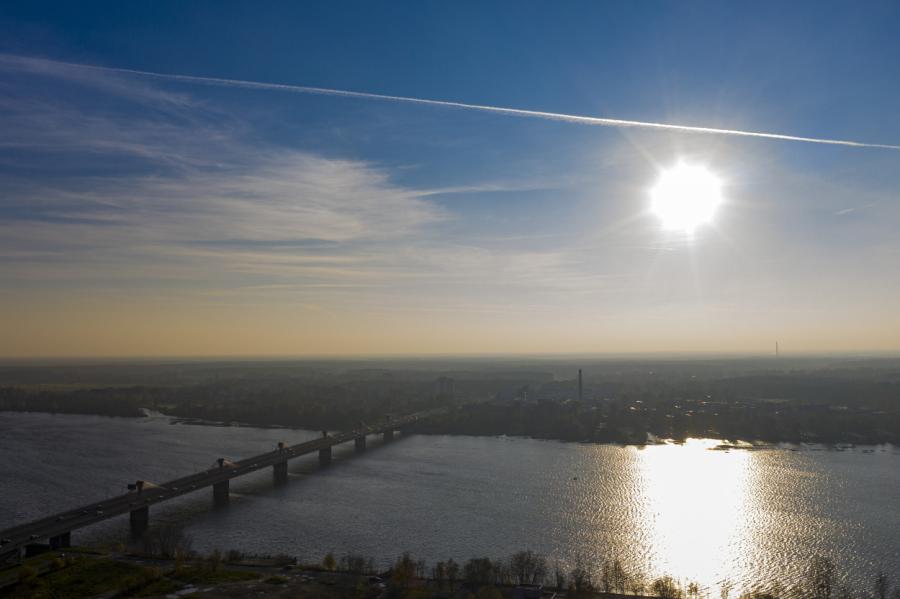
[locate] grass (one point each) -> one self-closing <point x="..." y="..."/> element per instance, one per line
<point x="85" y="578"/>
<point x="163" y="586"/>
<point x="81" y="576"/>
<point x="205" y="576"/>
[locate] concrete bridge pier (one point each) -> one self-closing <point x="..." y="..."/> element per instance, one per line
<point x="388" y="436"/>
<point x="280" y="472"/>
<point x="140" y="520"/>
<point x="359" y="444"/>
<point x="324" y="456"/>
<point x="61" y="541"/>
<point x="220" y="493"/>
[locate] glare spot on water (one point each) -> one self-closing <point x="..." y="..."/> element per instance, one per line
<point x="695" y="508"/>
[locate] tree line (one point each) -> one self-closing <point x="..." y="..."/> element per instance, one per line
<point x="486" y="577"/>
<point x="861" y="407"/>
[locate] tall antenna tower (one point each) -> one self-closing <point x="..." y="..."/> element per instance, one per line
<point x="776" y="349"/>
<point x="580" y="386"/>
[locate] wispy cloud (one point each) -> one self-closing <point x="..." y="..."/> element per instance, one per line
<point x="852" y="209"/>
<point x="184" y="198"/>
<point x="169" y="192"/>
<point x="144" y="93"/>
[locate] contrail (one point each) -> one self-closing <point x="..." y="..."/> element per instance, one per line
<point x="552" y="116"/>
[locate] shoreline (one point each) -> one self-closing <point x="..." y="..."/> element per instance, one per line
<point x="721" y="444"/>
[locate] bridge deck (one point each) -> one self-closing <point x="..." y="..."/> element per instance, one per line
<point x="14" y="538"/>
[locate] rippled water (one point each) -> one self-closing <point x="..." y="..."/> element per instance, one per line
<point x="699" y="515"/>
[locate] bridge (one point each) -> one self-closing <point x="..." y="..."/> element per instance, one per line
<point x="57" y="529"/>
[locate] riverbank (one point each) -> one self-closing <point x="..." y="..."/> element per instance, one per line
<point x="80" y="572"/>
<point x="91" y="572"/>
<point x="720" y="444"/>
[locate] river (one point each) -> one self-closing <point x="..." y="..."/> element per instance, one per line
<point x="684" y="510"/>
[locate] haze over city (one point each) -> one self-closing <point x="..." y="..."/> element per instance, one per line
<point x="146" y="215"/>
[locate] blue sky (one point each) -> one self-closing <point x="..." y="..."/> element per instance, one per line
<point x="146" y="216"/>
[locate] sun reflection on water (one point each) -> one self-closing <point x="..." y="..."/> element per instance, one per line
<point x="697" y="502"/>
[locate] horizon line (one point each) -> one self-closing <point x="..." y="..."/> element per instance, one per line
<point x="456" y="356"/>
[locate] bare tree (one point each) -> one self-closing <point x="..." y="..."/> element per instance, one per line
<point x="725" y="589"/>
<point x="452" y="572"/>
<point x="328" y="562"/>
<point x="666" y="588"/>
<point x="500" y="572"/>
<point x="618" y="577"/>
<point x="580" y="583"/>
<point x="559" y="577"/>
<point x="439" y="573"/>
<point x="354" y="563"/>
<point x="882" y="585"/>
<point x="606" y="577"/>
<point x="526" y="567"/>
<point x="479" y="571"/>
<point x="637" y="585"/>
<point x="404" y="571"/>
<point x="214" y="561"/>
<point x="167" y="541"/>
<point x="693" y="590"/>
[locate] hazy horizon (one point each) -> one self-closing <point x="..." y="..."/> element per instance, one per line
<point x="523" y="358"/>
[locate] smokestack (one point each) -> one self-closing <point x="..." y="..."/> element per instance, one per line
<point x="580" y="386"/>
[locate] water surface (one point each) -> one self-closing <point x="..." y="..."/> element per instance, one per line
<point x="683" y="510"/>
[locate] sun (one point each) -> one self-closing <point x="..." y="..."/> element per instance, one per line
<point x="686" y="197"/>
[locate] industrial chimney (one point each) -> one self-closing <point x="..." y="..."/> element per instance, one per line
<point x="580" y="386"/>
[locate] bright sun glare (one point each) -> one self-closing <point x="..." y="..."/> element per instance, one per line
<point x="686" y="197"/>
